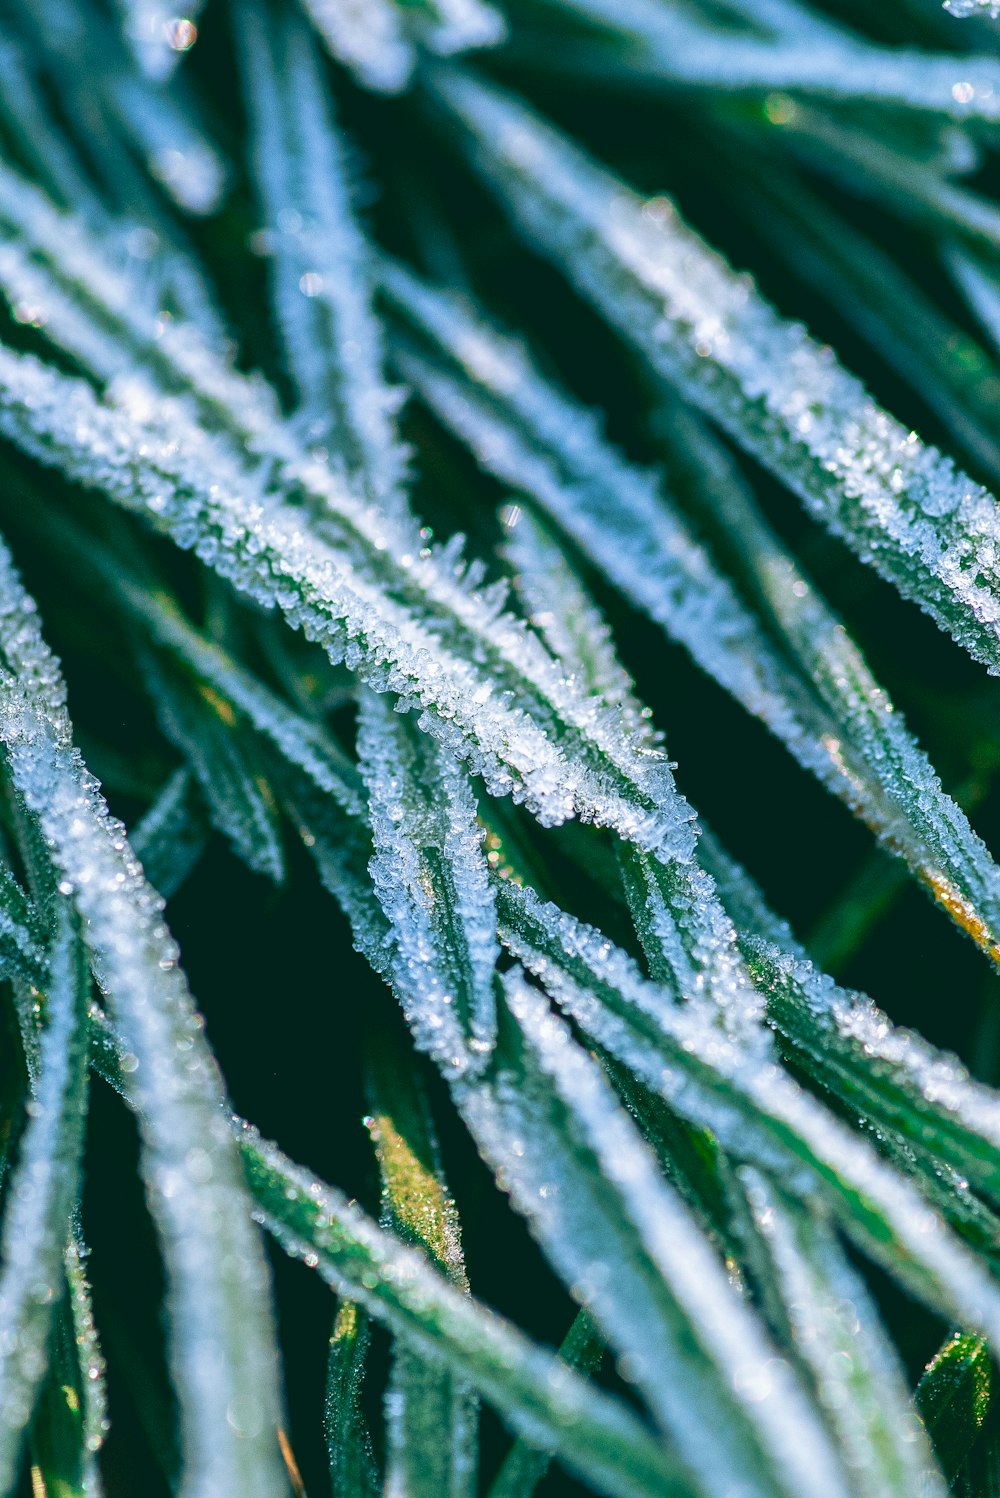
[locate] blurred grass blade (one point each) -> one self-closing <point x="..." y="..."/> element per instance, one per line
<point x="171" y="838"/>
<point x="526" y="1464"/>
<point x="808" y="55"/>
<point x="353" y="1473"/>
<point x="431" y="1418"/>
<point x="896" y="501"/>
<point x="318" y="261"/>
<point x="70" y="1421"/>
<point x="368" y="37"/>
<point x="38" y="1218"/>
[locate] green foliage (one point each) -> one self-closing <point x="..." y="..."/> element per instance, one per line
<point x="574" y="1079"/>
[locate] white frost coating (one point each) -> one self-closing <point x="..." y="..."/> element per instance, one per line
<point x="600" y="775"/>
<point x="837" y="1331"/>
<point x="903" y="507"/>
<point x="42" y="1196"/>
<point x="688" y="938"/>
<point x="763" y="1427"/>
<point x="318" y="261"/>
<point x="811" y="56"/>
<point x="90" y="300"/>
<point x="898" y="792"/>
<point x="431" y="880"/>
<point x="222" y="1352"/>
<point x="366" y="36"/>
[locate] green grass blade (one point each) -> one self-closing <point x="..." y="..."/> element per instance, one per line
<point x="171" y="838"/>
<point x="953" y="1397"/>
<point x="353" y="1472"/>
<point x="808" y="56"/>
<point x="431" y="1418"/>
<point x="834" y="1327"/>
<point x="825" y="705"/>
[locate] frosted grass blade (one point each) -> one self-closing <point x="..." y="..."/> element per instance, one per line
<point x="430" y="878"/>
<point x="850" y="1048"/>
<point x="171" y="838"/>
<point x="595" y="1435"/>
<point x="919" y="820"/>
<point x="954" y="1395"/>
<point x="156" y="35"/>
<point x="431" y="1418"/>
<point x="40" y="1203"/>
<point x="223" y="1358"/>
<point x="951" y="373"/>
<point x="353" y="1473"/>
<point x="73" y="35"/>
<point x="557" y="606"/>
<point x="808" y="56"/>
<point x="834" y="1326"/>
<point x="318" y="261"/>
<point x="570" y="1158"/>
<point x="70" y="1419"/>
<point x="878" y="168"/>
<point x="450" y="26"/>
<point x="596" y="773"/>
<point x="896" y="501"/>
